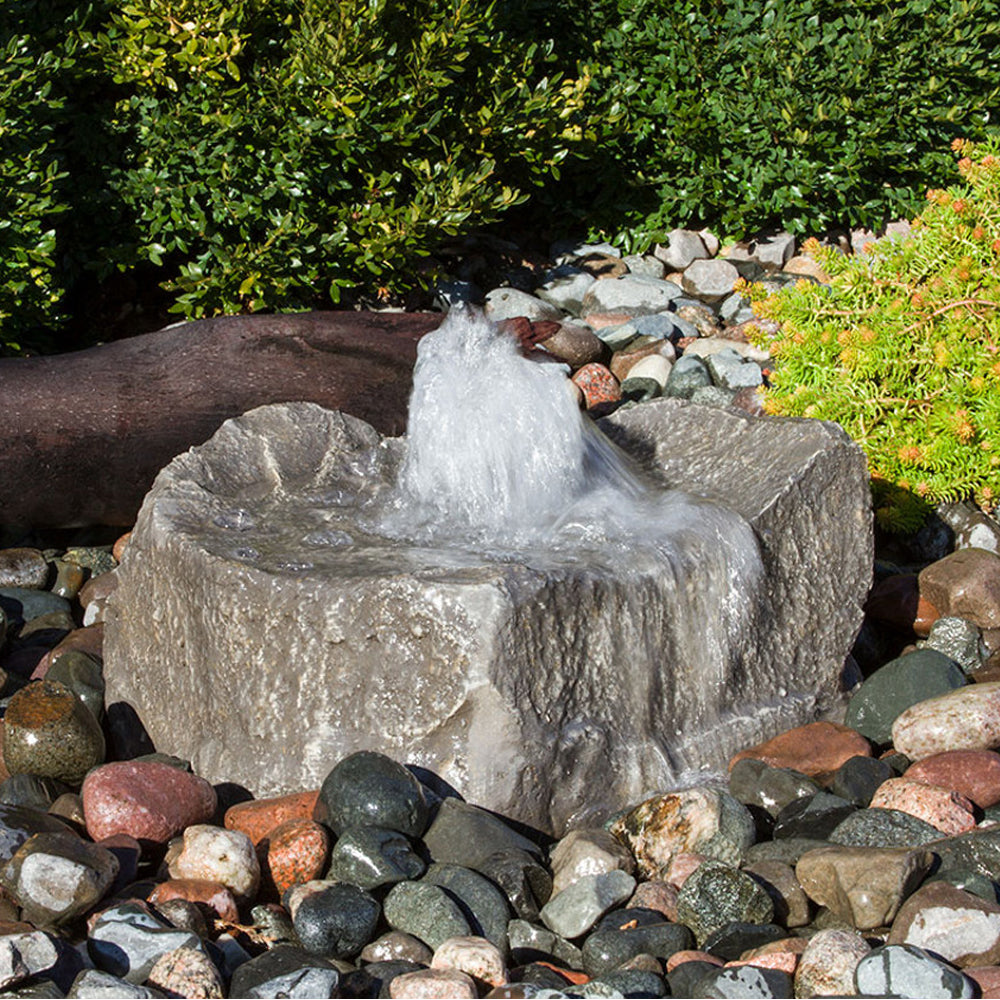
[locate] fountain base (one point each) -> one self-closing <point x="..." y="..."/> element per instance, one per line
<point x="553" y="693"/>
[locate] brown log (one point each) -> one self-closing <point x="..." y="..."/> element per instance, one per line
<point x="83" y="435"/>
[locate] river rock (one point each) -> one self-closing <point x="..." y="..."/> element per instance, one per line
<point x="816" y="749"/>
<point x="947" y="810"/>
<point x="863" y="886"/>
<point x="710" y="280"/>
<point x="972" y="773"/>
<point x="826" y="967"/>
<point x="965" y="719"/>
<point x="906" y="971"/>
<point x="965" y="584"/>
<point x="805" y="492"/>
<point x="217" y="855"/>
<point x="426" y="911"/>
<point x="705" y="821"/>
<point x="336" y="920"/>
<point x="372" y="856"/>
<point x="587" y="852"/>
<point x="187" y="972"/>
<point x="475" y="956"/>
<point x="582" y="903"/>
<point x="148" y="800"/>
<point x="716" y="895"/>
<point x="285" y="970"/>
<point x="23" y="567"/>
<point x="258" y="817"/>
<point x="632" y="294"/>
<point x="893" y="688"/>
<point x="951" y="923"/>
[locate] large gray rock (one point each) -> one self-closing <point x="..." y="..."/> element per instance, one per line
<point x="256" y="641"/>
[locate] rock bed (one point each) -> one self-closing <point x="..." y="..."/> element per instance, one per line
<point x="840" y="859"/>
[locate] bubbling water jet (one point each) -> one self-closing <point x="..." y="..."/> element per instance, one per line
<point x="499" y="459"/>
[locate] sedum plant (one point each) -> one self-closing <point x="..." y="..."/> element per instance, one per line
<point x="903" y="348"/>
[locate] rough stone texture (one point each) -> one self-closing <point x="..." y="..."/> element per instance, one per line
<point x="826" y="968"/>
<point x="965" y="584"/>
<point x="427" y="656"/>
<point x="972" y="773"/>
<point x="86" y="433"/>
<point x="943" y="808"/>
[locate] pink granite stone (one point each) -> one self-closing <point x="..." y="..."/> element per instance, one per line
<point x="972" y="773"/>
<point x="213" y="896"/>
<point x="291" y="854"/>
<point x="950" y="812"/>
<point x="145" y="799"/>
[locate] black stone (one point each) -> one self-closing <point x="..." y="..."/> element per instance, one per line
<point x="858" y="778"/>
<point x="337" y="922"/>
<point x="462" y="834"/>
<point x="31" y="791"/>
<point x="974" y="882"/>
<point x="634" y="983"/>
<point x="686" y="976"/>
<point x="251" y="979"/>
<point x="540" y="976"/>
<point x="370" y="789"/>
<point x="525" y="882"/>
<point x="733" y="939"/>
<point x="373" y="979"/>
<point x="814" y="816"/>
<point x="744" y="981"/>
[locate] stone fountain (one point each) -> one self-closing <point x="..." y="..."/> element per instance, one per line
<point x="555" y="619"/>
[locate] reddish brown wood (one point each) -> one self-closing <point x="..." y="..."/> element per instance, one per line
<point x="83" y="435"/>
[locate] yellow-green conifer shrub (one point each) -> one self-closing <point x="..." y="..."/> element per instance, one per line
<point x="903" y="349"/>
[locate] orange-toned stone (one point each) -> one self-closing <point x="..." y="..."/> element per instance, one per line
<point x="972" y="773"/>
<point x="950" y="812"/>
<point x="258" y="818"/>
<point x="119" y="547"/>
<point x="926" y="616"/>
<point x="814" y="749"/>
<point x="291" y="854"/>
<point x="211" y="895"/>
<point x="988" y="979"/>
<point x="598" y="385"/>
<point x="782" y="961"/>
<point x="690" y="955"/>
<point x="571" y="976"/>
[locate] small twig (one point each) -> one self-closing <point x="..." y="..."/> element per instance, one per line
<point x="949" y="306"/>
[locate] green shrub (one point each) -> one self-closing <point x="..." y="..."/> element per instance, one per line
<point x="271" y="169"/>
<point x="799" y="113"/>
<point x="903" y="349"/>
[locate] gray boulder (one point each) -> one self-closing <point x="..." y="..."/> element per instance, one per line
<point x="263" y="639"/>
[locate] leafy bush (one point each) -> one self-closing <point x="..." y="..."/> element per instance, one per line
<point x="358" y="135"/>
<point x="800" y="113"/>
<point x="903" y="350"/>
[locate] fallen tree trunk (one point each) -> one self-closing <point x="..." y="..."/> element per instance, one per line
<point x="84" y="434"/>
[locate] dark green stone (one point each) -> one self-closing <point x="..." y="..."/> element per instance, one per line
<point x="744" y="981"/>
<point x="614" y="940"/>
<point x="686" y="976"/>
<point x="716" y="895"/>
<point x="640" y="389"/>
<point x="525" y="882"/>
<point x="978" y="850"/>
<point x="688" y="373"/>
<point x="483" y="905"/>
<point x="466" y="835"/>
<point x="336" y="922"/>
<point x="370" y="789"/>
<point x="426" y="911"/>
<point x="895" y="687"/>
<point x="970" y="880"/>
<point x="883" y="828"/>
